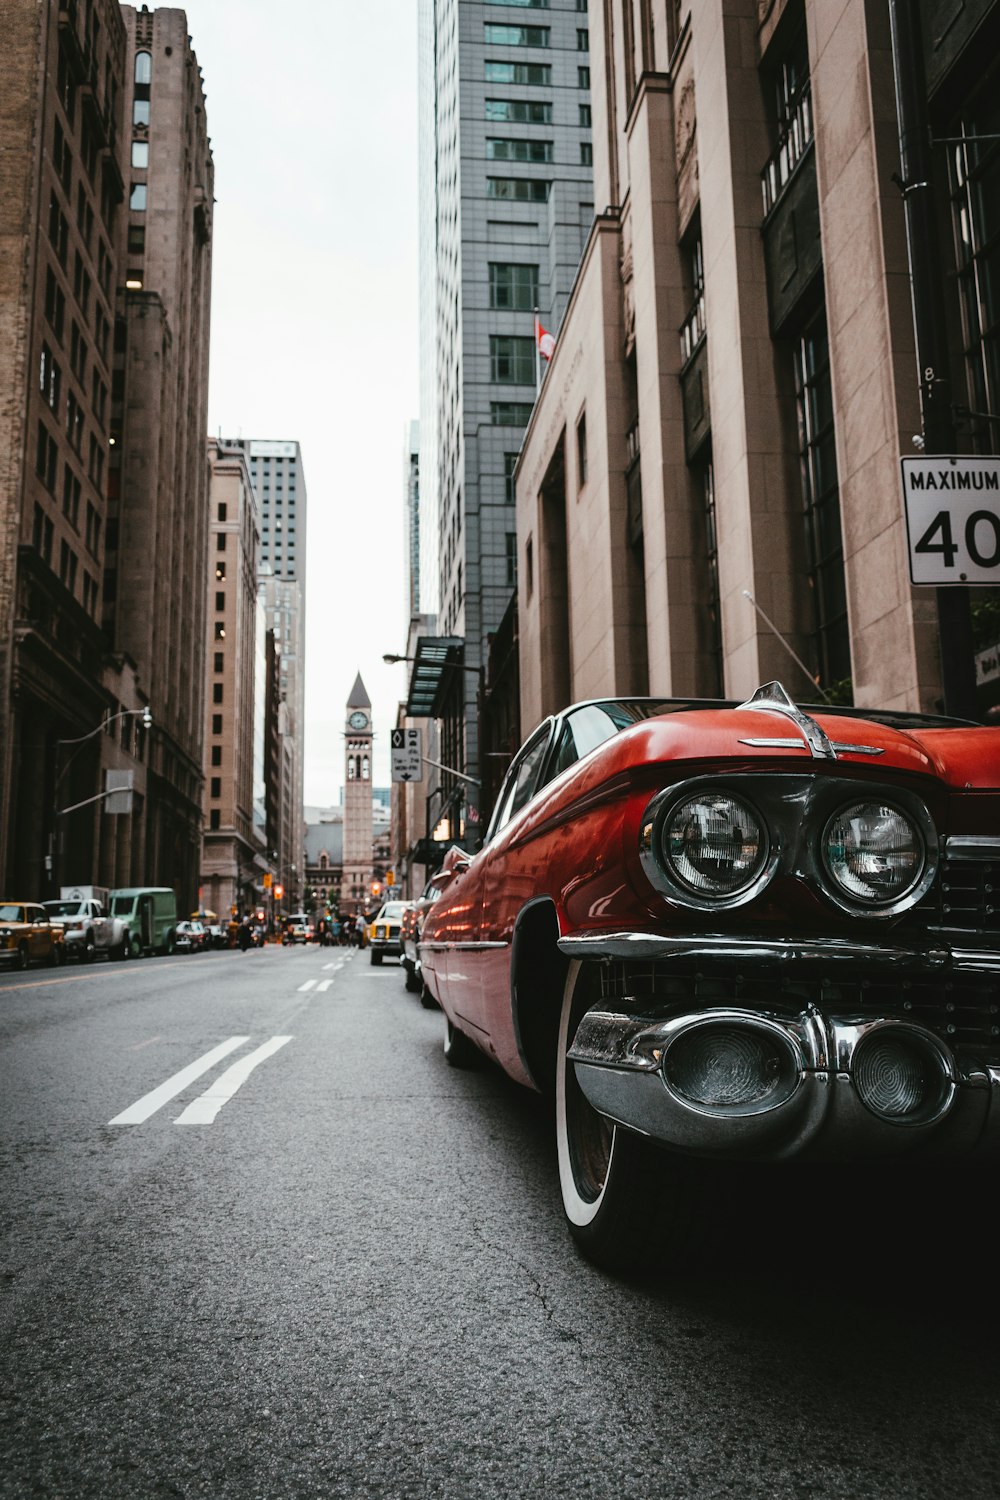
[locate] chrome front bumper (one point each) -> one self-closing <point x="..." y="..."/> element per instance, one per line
<point x="621" y="1051"/>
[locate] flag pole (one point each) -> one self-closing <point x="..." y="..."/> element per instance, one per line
<point x="538" y="358"/>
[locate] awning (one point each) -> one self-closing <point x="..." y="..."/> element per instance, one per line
<point x="430" y="674"/>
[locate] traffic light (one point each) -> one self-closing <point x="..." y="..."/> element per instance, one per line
<point x="376" y="888"/>
<point x="390" y="878"/>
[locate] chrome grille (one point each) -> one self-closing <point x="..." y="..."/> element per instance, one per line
<point x="964" y="898"/>
<point x="962" y="1010"/>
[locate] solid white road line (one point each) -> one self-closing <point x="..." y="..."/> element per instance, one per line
<point x="307" y="986"/>
<point x="204" y="1110"/>
<point x="151" y="1102"/>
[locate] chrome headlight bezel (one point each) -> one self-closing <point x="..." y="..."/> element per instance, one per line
<point x="913" y="810"/>
<point x="659" y="868"/>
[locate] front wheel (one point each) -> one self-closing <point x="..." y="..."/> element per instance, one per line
<point x="134" y="946"/>
<point x="459" y="1050"/>
<point x="22" y="955"/>
<point x="628" y="1205"/>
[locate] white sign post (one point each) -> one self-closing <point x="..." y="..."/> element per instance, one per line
<point x="952" y="519"/>
<point x="406" y="747"/>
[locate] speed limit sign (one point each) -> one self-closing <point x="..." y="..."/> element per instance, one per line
<point x="953" y="519"/>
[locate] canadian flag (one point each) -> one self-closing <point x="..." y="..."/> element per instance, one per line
<point x="546" y="341"/>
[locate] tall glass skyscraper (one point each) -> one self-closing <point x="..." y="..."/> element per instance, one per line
<point x="506" y="207"/>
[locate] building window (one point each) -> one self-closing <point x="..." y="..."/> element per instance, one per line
<point x="140" y="112"/>
<point x="220" y="570"/>
<point x="581" y="451"/>
<point x="821" y="502"/>
<point x="214" y="819"/>
<point x="49" y="379"/>
<point x="140" y="154"/>
<point x="46" y="457"/>
<point x="521" y="73"/>
<point x="974" y="181"/>
<point x="216" y="723"/>
<point x="586" y="154"/>
<point x="220" y="630"/>
<point x="693" y="327"/>
<point x="223" y="512"/>
<point x="220" y="600"/>
<point x="143" y="67"/>
<point x="518" y="189"/>
<point x="501" y="148"/>
<point x="511" y="554"/>
<point x="216" y="755"/>
<point x="704" y="475"/>
<point x="55" y="304"/>
<point x="510" y="413"/>
<point x="585" y="116"/>
<point x="583" y="78"/>
<point x="220" y="661"/>
<point x="509" y="465"/>
<point x="512" y="360"/>
<point x="582" y="40"/>
<point x="519" y="111"/>
<point x="792" y="120"/>
<point x="513" y="286"/>
<point x="215" y="789"/>
<point x="516" y="36"/>
<point x="220" y="542"/>
<point x="137" y="198"/>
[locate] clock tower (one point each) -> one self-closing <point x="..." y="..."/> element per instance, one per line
<point x="358" y="823"/>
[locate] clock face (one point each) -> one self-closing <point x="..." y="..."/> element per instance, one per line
<point x="358" y="720"/>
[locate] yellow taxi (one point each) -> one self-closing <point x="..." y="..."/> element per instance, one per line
<point x="27" y="935"/>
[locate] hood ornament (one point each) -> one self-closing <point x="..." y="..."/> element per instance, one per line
<point x="773" y="698"/>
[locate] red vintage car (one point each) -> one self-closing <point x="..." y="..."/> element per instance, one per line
<point x="731" y="932"/>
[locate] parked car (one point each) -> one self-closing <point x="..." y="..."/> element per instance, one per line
<point x="383" y="931"/>
<point x="88" y="929"/>
<point x="409" y="938"/>
<point x="150" y="917"/>
<point x="731" y="932"/>
<point x="190" y="937"/>
<point x="27" y="936"/>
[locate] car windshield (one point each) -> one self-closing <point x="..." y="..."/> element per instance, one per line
<point x="392" y="909"/>
<point x="62" y="908"/>
<point x="11" y="913"/>
<point x="121" y="906"/>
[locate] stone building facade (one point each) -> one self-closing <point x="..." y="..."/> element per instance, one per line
<point x="234" y="856"/>
<point x="358" y="817"/>
<point x="708" y="494"/>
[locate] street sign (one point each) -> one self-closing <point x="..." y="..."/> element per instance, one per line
<point x="952" y="519"/>
<point x="118" y="791"/>
<point x="406" y="748"/>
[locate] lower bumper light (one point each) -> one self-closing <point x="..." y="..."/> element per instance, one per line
<point x="728" y="1067"/>
<point x="900" y="1078"/>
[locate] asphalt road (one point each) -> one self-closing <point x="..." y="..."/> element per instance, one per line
<point x="343" y="1272"/>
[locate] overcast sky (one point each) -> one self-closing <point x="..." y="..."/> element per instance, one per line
<point x="312" y="113"/>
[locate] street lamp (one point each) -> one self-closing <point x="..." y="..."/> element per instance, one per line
<point x="125" y="713"/>
<point x="80" y="740"/>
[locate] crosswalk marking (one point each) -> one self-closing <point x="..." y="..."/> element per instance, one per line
<point x="151" y="1102"/>
<point x="204" y="1109"/>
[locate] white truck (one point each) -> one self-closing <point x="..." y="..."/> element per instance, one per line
<point x="82" y="913"/>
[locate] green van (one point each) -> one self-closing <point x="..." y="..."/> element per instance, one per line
<point x="150" y="913"/>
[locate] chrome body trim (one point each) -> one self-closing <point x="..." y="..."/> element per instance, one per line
<point x="971" y="846"/>
<point x="620" y="1064"/>
<point x="483" y="947"/>
<point x="931" y="957"/>
<point x="759" y="742"/>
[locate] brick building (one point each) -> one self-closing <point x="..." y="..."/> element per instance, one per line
<point x="103" y="480"/>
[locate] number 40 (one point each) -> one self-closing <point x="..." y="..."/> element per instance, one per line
<point x="941" y="527"/>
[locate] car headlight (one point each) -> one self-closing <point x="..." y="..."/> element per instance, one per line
<point x="873" y="852"/>
<point x="713" y="844"/>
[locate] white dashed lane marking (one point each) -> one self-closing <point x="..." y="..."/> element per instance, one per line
<point x="309" y="984"/>
<point x="204" y="1109"/>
